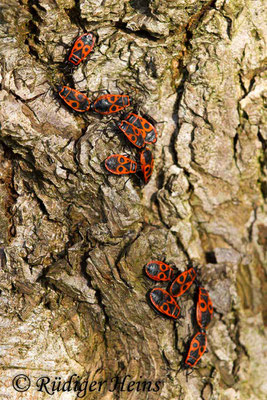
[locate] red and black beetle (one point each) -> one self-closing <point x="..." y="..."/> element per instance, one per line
<point x="120" y="165"/>
<point x="163" y="303"/>
<point x="147" y="163"/>
<point x="133" y="134"/>
<point x="149" y="132"/>
<point x="159" y="271"/>
<point x="74" y="99"/>
<point x="198" y="346"/>
<point x="111" y="103"/>
<point x="83" y="46"/>
<point x="204" y="309"/>
<point x="182" y="282"/>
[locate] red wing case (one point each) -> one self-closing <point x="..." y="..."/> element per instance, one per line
<point x="149" y="132"/>
<point x="76" y="100"/>
<point x="204" y="308"/>
<point x="81" y="48"/>
<point x="147" y="163"/>
<point x="182" y="283"/>
<point x="110" y="103"/>
<point x="120" y="165"/>
<point x="133" y="134"/>
<point x="164" y="303"/>
<point x="197" y="348"/>
<point x="159" y="271"/>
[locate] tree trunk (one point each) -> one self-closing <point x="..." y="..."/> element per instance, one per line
<point x="74" y="239"/>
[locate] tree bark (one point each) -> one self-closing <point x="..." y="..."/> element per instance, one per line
<point x="74" y="239"/>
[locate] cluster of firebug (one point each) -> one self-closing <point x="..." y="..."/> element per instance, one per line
<point x="138" y="130"/>
<point x="141" y="132"/>
<point x="165" y="302"/>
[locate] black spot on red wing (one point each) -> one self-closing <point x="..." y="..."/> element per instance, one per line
<point x="203" y="305"/>
<point x="210" y="308"/>
<point x="146" y="125"/>
<point x="74" y="104"/>
<point x="112" y="99"/>
<point x="85" y="52"/>
<point x="165" y="307"/>
<point x="113" y="108"/>
<point x="120" y="169"/>
<point x="185" y="287"/>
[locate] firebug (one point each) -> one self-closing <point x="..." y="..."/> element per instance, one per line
<point x="120" y="165"/>
<point x="81" y="48"/>
<point x="198" y="346"/>
<point x="163" y="303"/>
<point x="159" y="271"/>
<point x="204" y="309"/>
<point x="147" y="163"/>
<point x="133" y="134"/>
<point x="111" y="103"/>
<point x="182" y="282"/>
<point x="76" y="100"/>
<point x="149" y="132"/>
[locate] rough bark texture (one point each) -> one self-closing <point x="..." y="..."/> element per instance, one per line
<point x="74" y="239"/>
